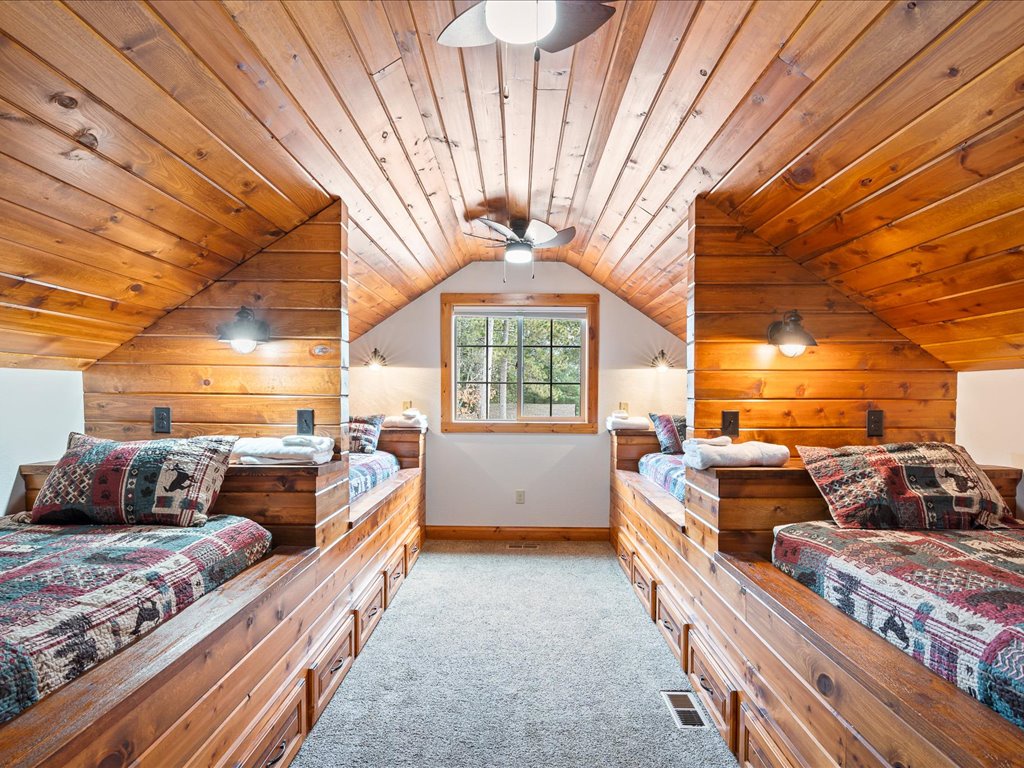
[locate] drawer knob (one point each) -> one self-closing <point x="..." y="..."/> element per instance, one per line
<point x="282" y="748"/>
<point x="706" y="685"/>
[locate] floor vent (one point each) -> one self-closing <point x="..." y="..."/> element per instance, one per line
<point x="521" y="545"/>
<point x="684" y="709"/>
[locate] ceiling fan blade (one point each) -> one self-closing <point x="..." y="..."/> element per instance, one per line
<point x="501" y="229"/>
<point x="561" y="238"/>
<point x="467" y="30"/>
<point x="539" y="232"/>
<point x="577" y="19"/>
<point x="487" y="239"/>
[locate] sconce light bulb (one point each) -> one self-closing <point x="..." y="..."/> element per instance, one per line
<point x="792" y="350"/>
<point x="243" y="346"/>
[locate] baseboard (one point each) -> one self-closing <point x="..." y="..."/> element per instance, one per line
<point x="516" y="533"/>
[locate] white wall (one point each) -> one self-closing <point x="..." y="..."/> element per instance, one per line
<point x="990" y="419"/>
<point x="471" y="479"/>
<point x="37" y="410"/>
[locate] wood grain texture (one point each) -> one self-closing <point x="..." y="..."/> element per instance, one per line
<point x="821" y="397"/>
<point x="149" y="146"/>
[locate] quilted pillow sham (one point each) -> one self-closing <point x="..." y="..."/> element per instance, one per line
<point x="906" y="485"/>
<point x="364" y="432"/>
<point x="671" y="431"/>
<point x="147" y="482"/>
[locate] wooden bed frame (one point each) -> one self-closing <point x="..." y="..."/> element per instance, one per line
<point x="239" y="678"/>
<point x="789" y="679"/>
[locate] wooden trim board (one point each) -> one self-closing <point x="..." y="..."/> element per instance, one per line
<point x="515" y="533"/>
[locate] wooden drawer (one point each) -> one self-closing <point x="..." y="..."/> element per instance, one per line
<point x="394" y="575"/>
<point x="330" y="666"/>
<point x="413" y="546"/>
<point x="756" y="747"/>
<point x="624" y="552"/>
<point x="643" y="584"/>
<point x="712" y="686"/>
<point x="277" y="742"/>
<point x="368" y="611"/>
<point x="671" y="622"/>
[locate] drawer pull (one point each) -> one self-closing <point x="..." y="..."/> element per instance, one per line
<point x="396" y="575"/>
<point x="623" y="558"/>
<point x="641" y="585"/>
<point x="338" y="665"/>
<point x="282" y="749"/>
<point x="415" y="550"/>
<point x="373" y="612"/>
<point x="668" y="625"/>
<point x="706" y="685"/>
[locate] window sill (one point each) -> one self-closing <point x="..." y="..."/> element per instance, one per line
<point x="521" y="427"/>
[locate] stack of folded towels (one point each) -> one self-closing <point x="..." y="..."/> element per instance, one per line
<point x="622" y="420"/>
<point x="294" y="449"/>
<point x="411" y="418"/>
<point x="701" y="453"/>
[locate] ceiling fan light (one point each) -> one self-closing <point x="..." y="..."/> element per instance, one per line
<point x="518" y="22"/>
<point x="518" y="253"/>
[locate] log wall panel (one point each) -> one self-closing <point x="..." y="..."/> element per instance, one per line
<point x="821" y="397"/>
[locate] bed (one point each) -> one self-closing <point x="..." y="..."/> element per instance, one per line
<point x="952" y="599"/>
<point x="367" y="470"/>
<point x="74" y="595"/>
<point x="666" y="470"/>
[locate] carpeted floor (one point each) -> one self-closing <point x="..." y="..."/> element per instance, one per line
<point x="499" y="657"/>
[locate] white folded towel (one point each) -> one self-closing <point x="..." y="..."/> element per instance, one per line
<point x="412" y="413"/>
<point x="275" y="450"/>
<point x="632" y="422"/>
<point x="749" y="454"/>
<point x="313" y="458"/>
<point x="320" y="442"/>
<point x="694" y="441"/>
<point x="405" y="422"/>
<point x="620" y="415"/>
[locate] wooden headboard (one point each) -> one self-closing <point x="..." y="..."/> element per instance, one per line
<point x="409" y="445"/>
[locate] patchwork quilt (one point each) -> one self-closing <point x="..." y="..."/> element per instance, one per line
<point x="667" y="470"/>
<point x="74" y="595"/>
<point x="367" y="470"/>
<point x="954" y="600"/>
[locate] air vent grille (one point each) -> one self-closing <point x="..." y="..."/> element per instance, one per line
<point x="684" y="709"/>
<point x="521" y="545"/>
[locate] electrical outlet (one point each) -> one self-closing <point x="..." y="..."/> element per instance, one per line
<point x="304" y="421"/>
<point x="731" y="423"/>
<point x="624" y="407"/>
<point x="161" y="421"/>
<point x="520" y="497"/>
<point x="876" y="423"/>
<point x="406" y="405"/>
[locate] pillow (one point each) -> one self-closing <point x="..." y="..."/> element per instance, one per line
<point x="148" y="482"/>
<point x="671" y="431"/>
<point x="905" y="485"/>
<point x="364" y="431"/>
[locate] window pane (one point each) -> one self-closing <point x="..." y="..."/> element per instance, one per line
<point x="566" y="365"/>
<point x="503" y="365"/>
<point x="470" y="330"/>
<point x="470" y="364"/>
<point x="537" y="364"/>
<point x="469" y="401"/>
<point x="565" y="400"/>
<point x="536" y="400"/>
<point x="504" y="331"/>
<point x="567" y="333"/>
<point x="536" y="331"/>
<point x="501" y="401"/>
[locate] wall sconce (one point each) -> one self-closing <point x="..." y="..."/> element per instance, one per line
<point x="789" y="335"/>
<point x="245" y="332"/>
<point x="376" y="359"/>
<point x="661" y="361"/>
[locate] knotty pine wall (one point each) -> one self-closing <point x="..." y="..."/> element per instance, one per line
<point x="738" y="284"/>
<point x="299" y="285"/>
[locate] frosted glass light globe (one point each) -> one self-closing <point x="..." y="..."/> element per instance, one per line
<point x="518" y="253"/>
<point x="243" y="346"/>
<point x="520" y="21"/>
<point x="792" y="350"/>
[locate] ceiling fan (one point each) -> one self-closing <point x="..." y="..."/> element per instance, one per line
<point x="522" y="238"/>
<point x="550" y="25"/>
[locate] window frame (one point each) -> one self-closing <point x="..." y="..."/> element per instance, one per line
<point x="586" y="423"/>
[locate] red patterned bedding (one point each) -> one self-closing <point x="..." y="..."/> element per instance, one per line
<point x="74" y="595"/>
<point x="954" y="600"/>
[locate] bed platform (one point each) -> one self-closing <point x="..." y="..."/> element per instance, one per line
<point x="788" y="678"/>
<point x="240" y="677"/>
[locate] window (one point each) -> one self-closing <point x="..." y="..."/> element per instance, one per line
<point x="519" y="363"/>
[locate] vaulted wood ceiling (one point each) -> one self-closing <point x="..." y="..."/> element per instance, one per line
<point x="147" y="147"/>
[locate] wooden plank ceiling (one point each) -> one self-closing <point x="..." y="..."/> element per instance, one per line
<point x="148" y="147"/>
